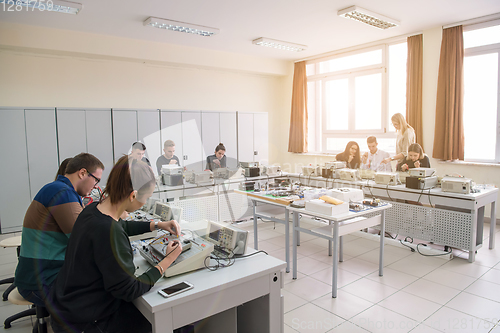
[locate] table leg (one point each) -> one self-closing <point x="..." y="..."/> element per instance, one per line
<point x="295" y="218"/>
<point x="255" y="238"/>
<point x="473" y="237"/>
<point x="330" y="242"/>
<point x="287" y="240"/>
<point x="335" y="259"/>
<point x="493" y="221"/>
<point x="382" y="236"/>
<point x="341" y="249"/>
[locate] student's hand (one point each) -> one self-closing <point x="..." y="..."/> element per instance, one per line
<point x="174" y="248"/>
<point x="350" y="158"/>
<point x="365" y="158"/>
<point x="172" y="161"/>
<point x="386" y="160"/>
<point x="417" y="164"/>
<point x="216" y="161"/>
<point x="171" y="226"/>
<point x="404" y="167"/>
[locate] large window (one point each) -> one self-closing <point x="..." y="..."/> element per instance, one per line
<point x="353" y="95"/>
<point x="481" y="92"/>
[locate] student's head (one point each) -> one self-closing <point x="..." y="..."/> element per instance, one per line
<point x="352" y="148"/>
<point x="169" y="149"/>
<point x="87" y="169"/>
<point x="372" y="144"/>
<point x="399" y="122"/>
<point x="415" y="152"/>
<point x="138" y="150"/>
<point x="220" y="150"/>
<point x="62" y="168"/>
<point x="130" y="182"/>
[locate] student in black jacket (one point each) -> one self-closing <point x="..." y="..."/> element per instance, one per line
<point x="415" y="159"/>
<point x="350" y="155"/>
<point x="96" y="285"/>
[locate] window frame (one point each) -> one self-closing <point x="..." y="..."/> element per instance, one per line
<point x="321" y="134"/>
<point x="482" y="50"/>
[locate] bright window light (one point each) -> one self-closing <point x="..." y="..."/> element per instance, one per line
<point x="352" y="61"/>
<point x="480" y="106"/>
<point x="337" y="104"/>
<point x="480" y="37"/>
<point x="397" y="81"/>
<point x="368" y="101"/>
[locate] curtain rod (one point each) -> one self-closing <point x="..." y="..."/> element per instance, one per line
<point x="356" y="47"/>
<point x="481" y="19"/>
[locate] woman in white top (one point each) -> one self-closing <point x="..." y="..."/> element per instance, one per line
<point x="405" y="137"/>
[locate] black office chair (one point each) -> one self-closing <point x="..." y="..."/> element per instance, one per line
<point x="10" y="242"/>
<point x="40" y="312"/>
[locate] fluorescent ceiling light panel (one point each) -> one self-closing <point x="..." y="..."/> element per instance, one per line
<point x="278" y="44"/>
<point x="365" y="16"/>
<point x="181" y="27"/>
<point x="60" y="6"/>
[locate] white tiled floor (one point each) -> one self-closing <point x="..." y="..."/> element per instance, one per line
<point x="416" y="294"/>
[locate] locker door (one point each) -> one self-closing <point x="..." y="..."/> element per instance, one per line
<point x="100" y="138"/>
<point x="124" y="131"/>
<point x="148" y="122"/>
<point x="245" y="137"/>
<point x="228" y="136"/>
<point x="210" y="131"/>
<point x="191" y="141"/>
<point x="71" y="133"/>
<point x="260" y="138"/>
<point x="171" y="129"/>
<point x="15" y="195"/>
<point x="42" y="147"/>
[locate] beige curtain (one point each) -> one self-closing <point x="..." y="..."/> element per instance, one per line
<point x="449" y="129"/>
<point x="297" y="141"/>
<point x="414" y="66"/>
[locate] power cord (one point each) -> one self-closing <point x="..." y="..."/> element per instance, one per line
<point x="432" y="255"/>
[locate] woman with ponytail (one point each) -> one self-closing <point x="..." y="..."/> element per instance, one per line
<point x="96" y="285"/>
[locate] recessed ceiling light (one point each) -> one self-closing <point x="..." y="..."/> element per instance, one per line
<point x="181" y="27"/>
<point x="278" y="44"/>
<point x="60" y="6"/>
<point x="365" y="16"/>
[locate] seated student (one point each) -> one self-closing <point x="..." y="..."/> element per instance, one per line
<point x="48" y="224"/>
<point x="168" y="157"/>
<point x="350" y="155"/>
<point x="137" y="153"/>
<point x="96" y="285"/>
<point x="415" y="159"/>
<point x="217" y="160"/>
<point x="373" y="159"/>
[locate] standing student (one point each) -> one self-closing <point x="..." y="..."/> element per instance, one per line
<point x="405" y="137"/>
<point x="217" y="160"/>
<point x="372" y="160"/>
<point x="415" y="159"/>
<point x="96" y="285"/>
<point x="168" y="157"/>
<point x="138" y="151"/>
<point x="350" y="155"/>
<point x="48" y="224"/>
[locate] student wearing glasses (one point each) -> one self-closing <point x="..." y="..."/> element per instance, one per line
<point x="48" y="224"/>
<point x="97" y="283"/>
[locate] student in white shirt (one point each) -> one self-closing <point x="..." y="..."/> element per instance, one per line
<point x="373" y="159"/>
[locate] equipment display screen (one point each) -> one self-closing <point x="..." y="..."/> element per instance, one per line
<point x="214" y="232"/>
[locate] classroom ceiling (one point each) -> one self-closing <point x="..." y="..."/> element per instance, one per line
<point x="310" y="22"/>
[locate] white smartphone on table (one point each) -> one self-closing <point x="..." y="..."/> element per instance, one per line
<point x="175" y="289"/>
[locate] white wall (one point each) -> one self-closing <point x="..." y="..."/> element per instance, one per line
<point x="39" y="67"/>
